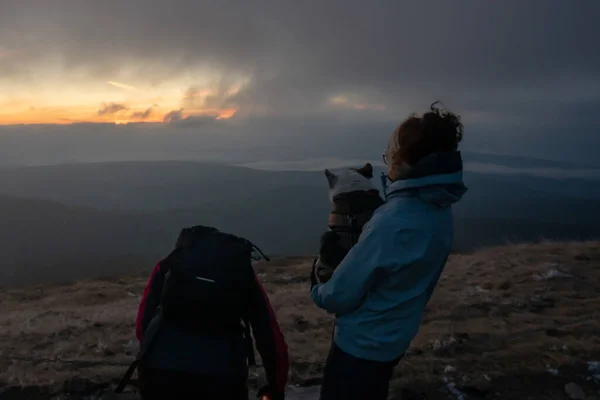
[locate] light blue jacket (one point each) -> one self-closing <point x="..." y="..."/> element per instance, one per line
<point x="380" y="289"/>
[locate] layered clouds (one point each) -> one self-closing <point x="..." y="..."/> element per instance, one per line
<point x="287" y="75"/>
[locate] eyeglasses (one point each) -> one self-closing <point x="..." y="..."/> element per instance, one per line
<point x="384" y="157"/>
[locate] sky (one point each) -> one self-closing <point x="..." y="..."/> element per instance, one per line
<point x="250" y="80"/>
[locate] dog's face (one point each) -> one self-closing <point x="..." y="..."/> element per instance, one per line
<point x="350" y="180"/>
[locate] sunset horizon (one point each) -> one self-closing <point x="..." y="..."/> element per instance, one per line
<point x="157" y="80"/>
<point x="112" y="101"/>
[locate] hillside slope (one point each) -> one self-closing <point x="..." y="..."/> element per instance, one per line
<point x="507" y="322"/>
<point x="44" y="241"/>
<point x="76" y="221"/>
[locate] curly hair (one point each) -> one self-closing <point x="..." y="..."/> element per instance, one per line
<point x="438" y="130"/>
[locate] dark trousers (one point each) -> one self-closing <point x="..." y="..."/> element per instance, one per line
<point x="349" y="378"/>
<point x="156" y="384"/>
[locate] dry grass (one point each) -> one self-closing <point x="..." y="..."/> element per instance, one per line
<point x="509" y="312"/>
<point x="498" y="312"/>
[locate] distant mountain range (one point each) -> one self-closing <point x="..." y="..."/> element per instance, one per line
<point x="523" y="162"/>
<point x="81" y="220"/>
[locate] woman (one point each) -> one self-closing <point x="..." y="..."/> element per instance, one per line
<point x="189" y="323"/>
<point x="380" y="289"/>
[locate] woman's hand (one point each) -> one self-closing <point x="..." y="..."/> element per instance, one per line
<point x="320" y="273"/>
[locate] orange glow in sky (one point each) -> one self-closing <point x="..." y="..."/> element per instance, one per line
<point x="60" y="101"/>
<point x="227" y="113"/>
<point x="60" y="98"/>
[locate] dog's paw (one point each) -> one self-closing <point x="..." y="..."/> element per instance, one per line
<point x="322" y="272"/>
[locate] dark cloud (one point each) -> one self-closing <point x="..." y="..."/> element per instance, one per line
<point x="111" y="108"/>
<point x="339" y="44"/>
<point x="193" y="121"/>
<point x="176" y="118"/>
<point x="143" y="114"/>
<point x="173" y="116"/>
<point x="508" y="66"/>
<point x="222" y="94"/>
<point x="193" y="97"/>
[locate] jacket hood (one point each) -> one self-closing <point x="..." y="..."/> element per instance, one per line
<point x="437" y="179"/>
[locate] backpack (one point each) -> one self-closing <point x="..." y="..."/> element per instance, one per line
<point x="208" y="278"/>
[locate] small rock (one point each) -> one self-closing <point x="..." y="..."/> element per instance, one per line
<point x="300" y="324"/>
<point x="449" y="369"/>
<point x="550" y="264"/>
<point x="479" y="387"/>
<point x="109" y="352"/>
<point x="286" y="279"/>
<point x="477" y="289"/>
<point x="440" y="346"/>
<point x="452" y="388"/>
<point x="575" y="391"/>
<point x="540" y="303"/>
<point x="130" y="347"/>
<point x="594" y="367"/>
<point x="551" y="274"/>
<point x="518" y="304"/>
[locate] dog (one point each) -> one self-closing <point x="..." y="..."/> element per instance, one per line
<point x="354" y="198"/>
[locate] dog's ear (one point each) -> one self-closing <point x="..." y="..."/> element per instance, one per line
<point x="331" y="178"/>
<point x="366" y="171"/>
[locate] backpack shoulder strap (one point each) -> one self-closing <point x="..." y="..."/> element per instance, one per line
<point x="249" y="343"/>
<point x="145" y="345"/>
<point x="127" y="377"/>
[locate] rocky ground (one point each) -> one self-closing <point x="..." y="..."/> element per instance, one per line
<point x="512" y="322"/>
